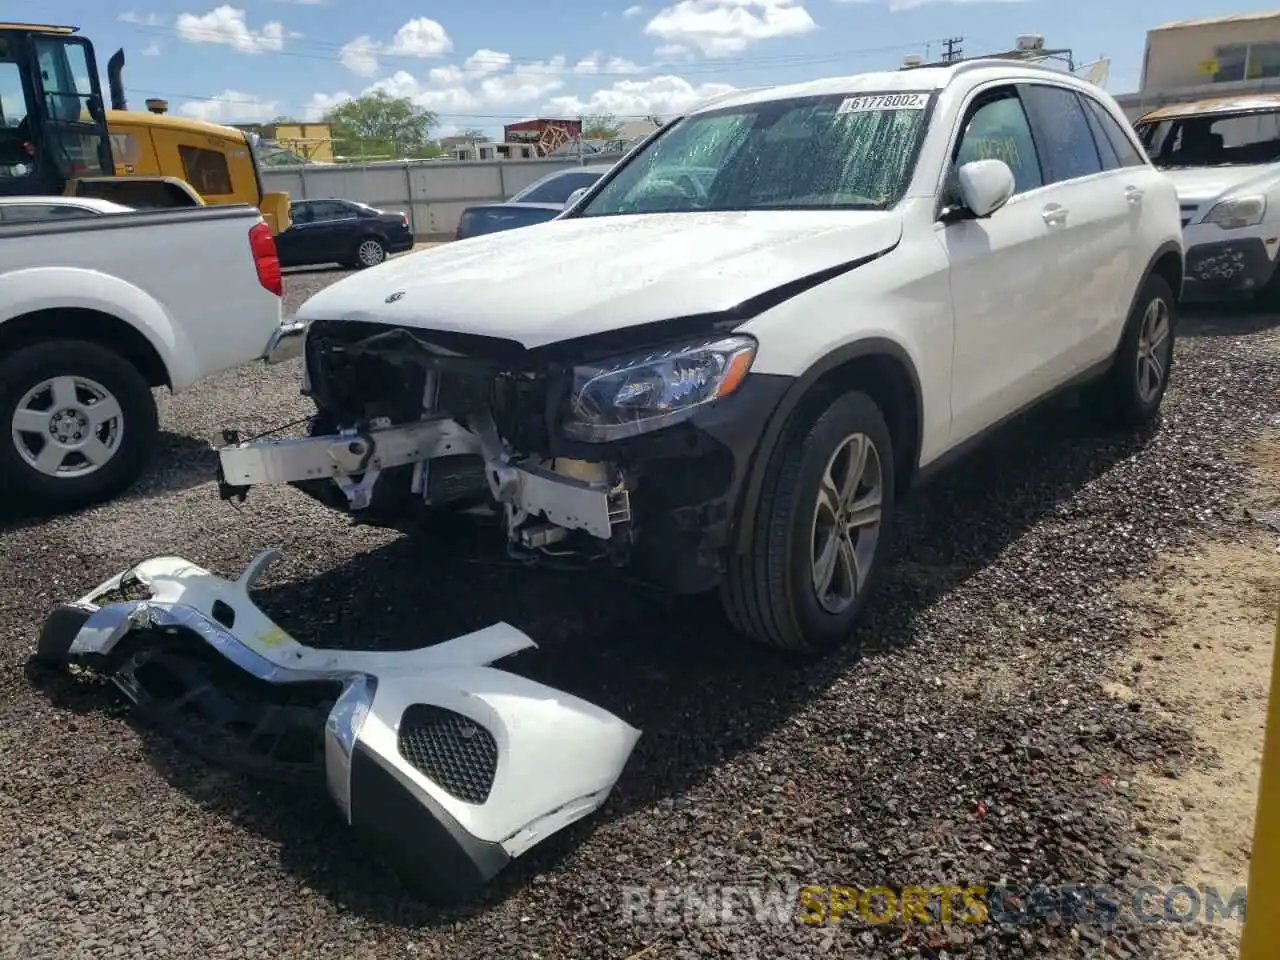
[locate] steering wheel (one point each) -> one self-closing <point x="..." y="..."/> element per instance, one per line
<point x="691" y="187"/>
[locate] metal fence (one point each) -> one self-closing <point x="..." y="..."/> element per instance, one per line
<point x="433" y="193"/>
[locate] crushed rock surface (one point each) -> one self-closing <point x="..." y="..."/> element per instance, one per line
<point x="967" y="742"/>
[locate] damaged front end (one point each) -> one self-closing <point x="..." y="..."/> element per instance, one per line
<point x="451" y="767"/>
<point x="561" y="440"/>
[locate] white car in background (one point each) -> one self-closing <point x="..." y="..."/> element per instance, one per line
<point x="1223" y="156"/>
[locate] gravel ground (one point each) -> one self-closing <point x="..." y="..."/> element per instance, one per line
<point x="899" y="764"/>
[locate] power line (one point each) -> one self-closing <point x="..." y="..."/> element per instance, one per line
<point x="951" y="49"/>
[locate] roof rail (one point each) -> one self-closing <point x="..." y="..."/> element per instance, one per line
<point x="975" y="63"/>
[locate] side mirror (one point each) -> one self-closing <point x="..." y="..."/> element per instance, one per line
<point x="575" y="197"/>
<point x="985" y="186"/>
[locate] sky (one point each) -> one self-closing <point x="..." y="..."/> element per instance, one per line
<point x="480" y="65"/>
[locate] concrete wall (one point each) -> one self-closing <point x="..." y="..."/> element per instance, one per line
<point x="432" y="193"/>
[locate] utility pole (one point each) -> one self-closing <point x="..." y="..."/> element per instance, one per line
<point x="951" y="49"/>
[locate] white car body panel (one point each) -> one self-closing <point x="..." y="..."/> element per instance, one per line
<point x="1200" y="189"/>
<point x="558" y="756"/>
<point x="185" y="280"/>
<point x="628" y="270"/>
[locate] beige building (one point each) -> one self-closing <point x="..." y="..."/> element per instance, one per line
<point x="1188" y="53"/>
<point x="1204" y="58"/>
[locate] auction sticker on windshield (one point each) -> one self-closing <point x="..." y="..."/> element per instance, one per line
<point x="884" y="101"/>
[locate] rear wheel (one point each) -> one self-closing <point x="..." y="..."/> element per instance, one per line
<point x="81" y="423"/>
<point x="1132" y="391"/>
<point x="820" y="532"/>
<point x="369" y="253"/>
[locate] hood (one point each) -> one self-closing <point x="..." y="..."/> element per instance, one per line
<point x="1198" y="185"/>
<point x="577" y="277"/>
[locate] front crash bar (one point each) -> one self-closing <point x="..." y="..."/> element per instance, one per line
<point x="450" y="766"/>
<point x="293" y="459"/>
<point x="533" y="491"/>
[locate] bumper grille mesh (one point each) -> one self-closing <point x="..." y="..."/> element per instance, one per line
<point x="451" y="750"/>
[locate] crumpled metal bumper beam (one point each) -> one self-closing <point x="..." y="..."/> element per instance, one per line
<point x="451" y="766"/>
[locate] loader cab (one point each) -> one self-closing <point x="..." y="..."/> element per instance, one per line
<point x="53" y="125"/>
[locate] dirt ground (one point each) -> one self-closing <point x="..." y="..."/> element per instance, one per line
<point x="1204" y="656"/>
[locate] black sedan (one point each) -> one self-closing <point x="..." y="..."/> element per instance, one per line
<point x="341" y="231"/>
<point x="540" y="201"/>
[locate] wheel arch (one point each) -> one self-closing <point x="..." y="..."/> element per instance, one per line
<point x="1169" y="262"/>
<point x="93" y="326"/>
<point x="880" y="367"/>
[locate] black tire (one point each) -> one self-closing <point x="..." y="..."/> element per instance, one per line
<point x="769" y="593"/>
<point x="1118" y="397"/>
<point x="23" y="370"/>
<point x="358" y="261"/>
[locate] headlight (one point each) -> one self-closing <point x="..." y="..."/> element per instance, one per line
<point x="1239" y="212"/>
<point x="646" y="391"/>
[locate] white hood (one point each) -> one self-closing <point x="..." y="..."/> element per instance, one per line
<point x="571" y="278"/>
<point x="1199" y="185"/>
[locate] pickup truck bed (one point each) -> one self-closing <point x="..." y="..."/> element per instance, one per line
<point x="96" y="311"/>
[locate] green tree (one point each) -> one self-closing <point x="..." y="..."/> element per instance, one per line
<point x="602" y="126"/>
<point x="381" y="126"/>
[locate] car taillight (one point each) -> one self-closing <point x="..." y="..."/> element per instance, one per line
<point x="404" y="220"/>
<point x="265" y="258"/>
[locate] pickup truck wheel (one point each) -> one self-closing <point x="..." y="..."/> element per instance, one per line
<point x="819" y="536"/>
<point x="81" y="422"/>
<point x="369" y="253"/>
<point x="1132" y="391"/>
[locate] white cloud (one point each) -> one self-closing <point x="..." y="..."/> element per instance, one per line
<point x="360" y="56"/>
<point x="528" y="81"/>
<point x="151" y="50"/>
<point x="722" y="27"/>
<point x="322" y="103"/>
<point x="226" y="25"/>
<point x="593" y="64"/>
<point x="420" y="37"/>
<point x="487" y="61"/>
<point x="633" y="11"/>
<point x="661" y="96"/>
<point x="231" y="105"/>
<point x="141" y="19"/>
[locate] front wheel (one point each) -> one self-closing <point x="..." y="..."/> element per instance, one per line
<point x="81" y="423"/>
<point x="821" y="530"/>
<point x="369" y="253"/>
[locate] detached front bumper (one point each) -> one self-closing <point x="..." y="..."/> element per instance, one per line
<point x="286" y="342"/>
<point x="1240" y="265"/>
<point x="450" y="766"/>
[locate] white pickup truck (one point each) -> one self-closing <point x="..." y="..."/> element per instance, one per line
<point x="98" y="305"/>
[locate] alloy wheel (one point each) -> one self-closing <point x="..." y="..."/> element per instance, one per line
<point x="67" y="427"/>
<point x="846" y="523"/>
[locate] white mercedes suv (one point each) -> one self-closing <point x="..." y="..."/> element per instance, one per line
<point x="726" y="363"/>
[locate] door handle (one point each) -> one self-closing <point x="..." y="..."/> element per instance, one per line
<point x="1054" y="215"/>
<point x="1133" y="195"/>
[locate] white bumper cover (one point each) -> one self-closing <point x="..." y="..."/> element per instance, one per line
<point x="451" y="766"/>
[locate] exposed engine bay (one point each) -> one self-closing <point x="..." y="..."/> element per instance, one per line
<point x="409" y="420"/>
